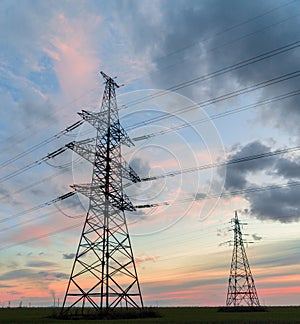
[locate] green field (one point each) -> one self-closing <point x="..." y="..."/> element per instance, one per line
<point x="168" y="315"/>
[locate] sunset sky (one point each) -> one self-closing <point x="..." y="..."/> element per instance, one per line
<point x="226" y="70"/>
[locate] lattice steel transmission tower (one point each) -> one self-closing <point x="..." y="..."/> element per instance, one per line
<point x="241" y="288"/>
<point x="104" y="274"/>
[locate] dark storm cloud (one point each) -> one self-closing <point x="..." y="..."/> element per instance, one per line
<point x="287" y="168"/>
<point x="187" y="39"/>
<point x="280" y="204"/>
<point x="236" y="173"/>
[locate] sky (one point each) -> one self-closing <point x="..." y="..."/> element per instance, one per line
<point x="226" y="70"/>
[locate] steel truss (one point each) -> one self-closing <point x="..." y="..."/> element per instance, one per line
<point x="241" y="288"/>
<point x="104" y="274"/>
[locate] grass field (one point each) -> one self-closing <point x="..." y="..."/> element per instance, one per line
<point x="168" y="315"/>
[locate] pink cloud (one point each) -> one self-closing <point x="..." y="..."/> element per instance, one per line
<point x="146" y="258"/>
<point x="76" y="62"/>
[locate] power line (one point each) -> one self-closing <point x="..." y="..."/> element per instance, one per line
<point x="222" y="195"/>
<point x="65" y="214"/>
<point x="173" y="173"/>
<point x="164" y="116"/>
<point x="230" y="95"/>
<point x="174" y="52"/>
<point x="46" y="204"/>
<point x="4" y="229"/>
<point x="226" y="29"/>
<point x="191" y="81"/>
<point x="33" y="184"/>
<point x="260" y="30"/>
<point x="61" y="150"/>
<point x="224" y="163"/>
<point x="220" y="115"/>
<point x="228" y="194"/>
<point x="181" y="85"/>
<point x="41" y="144"/>
<point x="222" y="31"/>
<point x="221" y="71"/>
<point x="35" y="163"/>
<point x="60" y="107"/>
<point x="35" y="238"/>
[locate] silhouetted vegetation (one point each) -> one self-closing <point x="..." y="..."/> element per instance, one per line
<point x="242" y="309"/>
<point x="109" y="314"/>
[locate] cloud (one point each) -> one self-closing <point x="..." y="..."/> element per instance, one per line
<point x="283" y="253"/>
<point x="280" y="204"/>
<point x="70" y="46"/>
<point x="200" y="196"/>
<point x="256" y="237"/>
<point x="286" y="168"/>
<point x="140" y="166"/>
<point x="216" y="34"/>
<point x="16" y="274"/>
<point x="39" y="264"/>
<point x="52" y="275"/>
<point x="29" y="273"/>
<point x="146" y="258"/>
<point x="236" y="174"/>
<point x="68" y="256"/>
<point x="6" y="286"/>
<point x="178" y="285"/>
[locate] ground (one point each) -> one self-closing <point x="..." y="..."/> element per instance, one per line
<point x="174" y="315"/>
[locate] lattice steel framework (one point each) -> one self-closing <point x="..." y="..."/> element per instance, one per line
<point x="104" y="273"/>
<point x="241" y="288"/>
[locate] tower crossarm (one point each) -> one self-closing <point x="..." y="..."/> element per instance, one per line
<point x="128" y="173"/>
<point x="99" y="121"/>
<point x="115" y="198"/>
<point x="119" y="134"/>
<point x="86" y="149"/>
<point x="96" y="119"/>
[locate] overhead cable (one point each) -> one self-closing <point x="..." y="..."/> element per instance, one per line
<point x="223" y="163"/>
<point x="219" y="195"/>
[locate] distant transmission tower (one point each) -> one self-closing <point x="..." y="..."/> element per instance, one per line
<point x="241" y="288"/>
<point x="104" y="274"/>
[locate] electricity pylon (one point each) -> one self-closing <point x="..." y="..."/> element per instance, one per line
<point x="241" y="288"/>
<point x="104" y="274"/>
